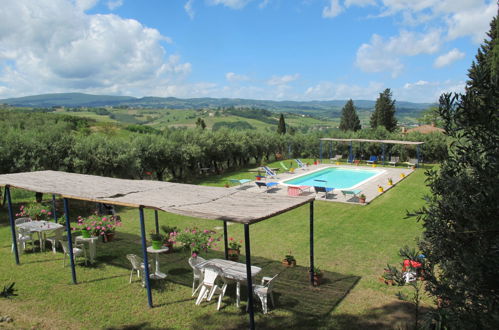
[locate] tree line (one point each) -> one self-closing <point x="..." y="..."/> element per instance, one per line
<point x="42" y="141"/>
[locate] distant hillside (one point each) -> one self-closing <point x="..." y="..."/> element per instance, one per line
<point x="85" y="100"/>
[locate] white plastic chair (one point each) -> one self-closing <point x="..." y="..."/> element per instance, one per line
<point x="209" y="288"/>
<point x="78" y="251"/>
<point x="198" y="274"/>
<point x="409" y="276"/>
<point x="264" y="290"/>
<point x="137" y="266"/>
<point x="23" y="236"/>
<point x="18" y="221"/>
<point x="55" y="238"/>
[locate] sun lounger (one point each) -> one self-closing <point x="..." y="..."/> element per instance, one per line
<point x="351" y="192"/>
<point x="240" y="182"/>
<point x="372" y="160"/>
<point x="285" y="168"/>
<point x="393" y="161"/>
<point x="297" y="190"/>
<point x="267" y="185"/>
<point x="325" y="190"/>
<point x="300" y="164"/>
<point x="269" y="172"/>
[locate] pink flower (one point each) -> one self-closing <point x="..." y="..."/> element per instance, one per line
<point x="104" y="219"/>
<point x="102" y="233"/>
<point x="98" y="227"/>
<point x="89" y="228"/>
<point x="43" y="211"/>
<point x="49" y="213"/>
<point x="231" y="239"/>
<point x="22" y="207"/>
<point x="194" y="254"/>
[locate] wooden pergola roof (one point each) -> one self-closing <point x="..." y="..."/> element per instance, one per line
<point x="229" y="204"/>
<point x="373" y="141"/>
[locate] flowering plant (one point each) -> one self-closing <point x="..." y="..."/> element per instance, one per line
<point x="233" y="244"/>
<point x="98" y="225"/>
<point x="35" y="211"/>
<point x="196" y="239"/>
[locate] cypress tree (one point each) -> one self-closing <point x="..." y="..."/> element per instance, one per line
<point x="461" y="224"/>
<point x="384" y="112"/>
<point x="349" y="119"/>
<point x="200" y="123"/>
<point x="281" y="128"/>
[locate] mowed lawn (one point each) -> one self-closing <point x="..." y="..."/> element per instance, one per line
<point x="353" y="244"/>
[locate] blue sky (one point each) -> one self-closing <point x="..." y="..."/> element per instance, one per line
<point x="262" y="49"/>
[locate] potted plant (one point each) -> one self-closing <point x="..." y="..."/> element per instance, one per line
<point x="362" y="198"/>
<point x="234" y="249"/>
<point x="226" y="185"/>
<point x="380" y="188"/>
<point x="96" y="225"/>
<point x="258" y="175"/>
<point x="289" y="260"/>
<point x="317" y="274"/>
<point x="390" y="181"/>
<point x="35" y="211"/>
<point x="157" y="240"/>
<point x="197" y="240"/>
<point x="402" y="175"/>
<point x="170" y="237"/>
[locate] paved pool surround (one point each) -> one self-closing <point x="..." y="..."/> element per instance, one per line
<point x="369" y="187"/>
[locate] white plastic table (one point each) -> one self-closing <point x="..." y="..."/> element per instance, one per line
<point x="158" y="275"/>
<point x="40" y="227"/>
<point x="231" y="270"/>
<point x="92" y="242"/>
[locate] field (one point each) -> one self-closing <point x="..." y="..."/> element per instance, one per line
<point x="352" y="245"/>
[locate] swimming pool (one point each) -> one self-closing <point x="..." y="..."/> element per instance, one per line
<point x="339" y="178"/>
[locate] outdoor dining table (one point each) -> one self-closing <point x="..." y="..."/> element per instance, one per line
<point x="231" y="270"/>
<point x="92" y="242"/>
<point x="158" y="275"/>
<point x="40" y="227"/>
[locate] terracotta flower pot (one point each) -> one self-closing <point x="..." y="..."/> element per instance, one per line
<point x="362" y="200"/>
<point x="289" y="264"/>
<point x="233" y="254"/>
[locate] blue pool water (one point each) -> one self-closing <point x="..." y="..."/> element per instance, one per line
<point x="338" y="178"/>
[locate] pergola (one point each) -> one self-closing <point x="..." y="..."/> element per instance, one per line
<point x="225" y="204"/>
<point x="383" y="142"/>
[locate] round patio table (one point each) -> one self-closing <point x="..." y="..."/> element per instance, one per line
<point x="158" y="275"/>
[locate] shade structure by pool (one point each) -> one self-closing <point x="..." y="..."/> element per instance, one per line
<point x="198" y="201"/>
<point x="339" y="178"/>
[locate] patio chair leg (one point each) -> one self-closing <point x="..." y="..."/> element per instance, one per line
<point x="201" y="295"/>
<point x="131" y="275"/>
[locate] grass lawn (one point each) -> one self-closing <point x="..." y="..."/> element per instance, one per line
<point x="352" y="245"/>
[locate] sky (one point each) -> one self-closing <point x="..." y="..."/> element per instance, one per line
<point x="259" y="49"/>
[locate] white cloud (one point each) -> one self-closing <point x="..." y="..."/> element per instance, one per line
<point x="384" y="55"/>
<point x="57" y="45"/>
<point x="446" y="59"/>
<point x="233" y="4"/>
<point x="282" y="80"/>
<point x="188" y="8"/>
<point x="474" y="22"/>
<point x="114" y="4"/>
<point x="427" y="91"/>
<point x="360" y="3"/>
<point x="263" y="4"/>
<point x="333" y="10"/>
<point x="333" y="91"/>
<point x="232" y="77"/>
<point x="86" y="4"/>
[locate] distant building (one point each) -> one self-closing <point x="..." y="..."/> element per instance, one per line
<point x="423" y="129"/>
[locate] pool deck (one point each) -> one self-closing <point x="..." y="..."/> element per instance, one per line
<point x="369" y="188"/>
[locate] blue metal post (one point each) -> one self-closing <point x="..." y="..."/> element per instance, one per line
<point x="226" y="242"/>
<point x="156" y="222"/>
<point x="350" y="156"/>
<point x="54" y="210"/>
<point x="320" y="152"/>
<point x="70" y="241"/>
<point x="417" y="155"/>
<point x="312" y="243"/>
<point x="12" y="224"/>
<point x="383" y="146"/>
<point x="248" y="276"/>
<point x="144" y="254"/>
